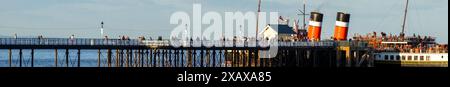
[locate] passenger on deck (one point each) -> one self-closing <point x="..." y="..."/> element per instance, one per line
<point x="15" y="35"/>
<point x="72" y="39"/>
<point x="106" y="42"/>
<point x="127" y="38"/>
<point x="40" y="37"/>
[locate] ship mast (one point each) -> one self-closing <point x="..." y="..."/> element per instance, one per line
<point x="402" y="34"/>
<point x="257" y="19"/>
<point x="303" y="13"/>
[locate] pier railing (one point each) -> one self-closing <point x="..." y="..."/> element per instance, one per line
<point x="65" y="41"/>
<point x="353" y="43"/>
<point x="239" y="44"/>
<point x="135" y="42"/>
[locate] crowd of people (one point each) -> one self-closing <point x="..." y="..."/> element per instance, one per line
<point x="414" y="44"/>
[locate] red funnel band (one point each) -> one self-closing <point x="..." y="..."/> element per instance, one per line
<point x="340" y="33"/>
<point x="314" y="33"/>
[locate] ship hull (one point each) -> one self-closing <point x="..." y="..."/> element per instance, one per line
<point x="411" y="64"/>
<point x="397" y="59"/>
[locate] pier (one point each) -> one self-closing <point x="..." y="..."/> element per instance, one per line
<point x="136" y="53"/>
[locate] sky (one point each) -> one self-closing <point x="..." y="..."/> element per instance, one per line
<point x="151" y="18"/>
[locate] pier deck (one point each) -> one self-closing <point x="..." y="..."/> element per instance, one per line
<point x="136" y="53"/>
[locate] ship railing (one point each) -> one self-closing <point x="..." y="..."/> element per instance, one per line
<point x="411" y="50"/>
<point x="434" y="51"/>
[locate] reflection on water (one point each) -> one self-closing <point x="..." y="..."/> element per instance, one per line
<point x="89" y="58"/>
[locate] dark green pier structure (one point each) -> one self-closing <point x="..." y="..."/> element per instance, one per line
<point x="138" y="53"/>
